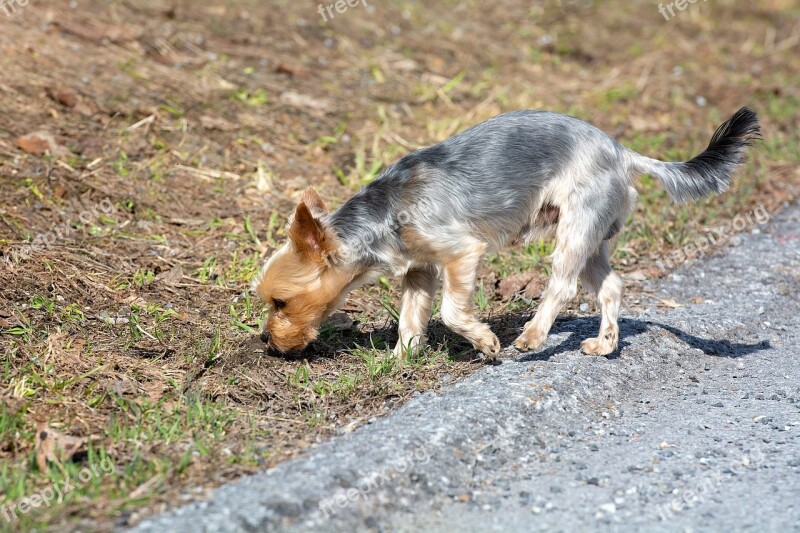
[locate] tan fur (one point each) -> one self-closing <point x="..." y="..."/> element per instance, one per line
<point x="312" y="287"/>
<point x="311" y="292"/>
<point x="572" y="260"/>
<point x="459" y="286"/>
<point x="419" y="289"/>
<point x="598" y="277"/>
<point x="299" y="276"/>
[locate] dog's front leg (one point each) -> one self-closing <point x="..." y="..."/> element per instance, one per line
<point x="419" y="288"/>
<point x="459" y="285"/>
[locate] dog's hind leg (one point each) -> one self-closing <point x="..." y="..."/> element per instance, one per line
<point x="599" y="278"/>
<point x="459" y="276"/>
<point x="574" y="244"/>
<point x="419" y="288"/>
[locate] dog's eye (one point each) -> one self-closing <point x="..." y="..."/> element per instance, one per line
<point x="279" y="304"/>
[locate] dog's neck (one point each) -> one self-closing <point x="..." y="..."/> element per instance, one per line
<point x="367" y="228"/>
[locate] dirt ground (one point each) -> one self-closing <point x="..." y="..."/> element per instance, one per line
<point x="150" y="153"/>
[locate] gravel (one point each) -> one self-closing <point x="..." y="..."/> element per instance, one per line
<point x="693" y="425"/>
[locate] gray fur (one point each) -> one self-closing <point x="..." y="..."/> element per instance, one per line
<point x="486" y="182"/>
<point x="709" y="172"/>
<point x="514" y="178"/>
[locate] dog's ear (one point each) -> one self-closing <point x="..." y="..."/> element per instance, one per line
<point x="314" y="203"/>
<point x="307" y="234"/>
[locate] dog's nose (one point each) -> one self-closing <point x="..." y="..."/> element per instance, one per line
<point x="265" y="336"/>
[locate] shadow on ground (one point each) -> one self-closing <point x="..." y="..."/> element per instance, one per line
<point x="582" y="328"/>
<point x="507" y="329"/>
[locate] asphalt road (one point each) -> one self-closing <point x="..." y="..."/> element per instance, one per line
<point x="693" y="426"/>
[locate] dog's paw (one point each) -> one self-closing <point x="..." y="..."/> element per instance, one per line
<point x="529" y="342"/>
<point x="489" y="346"/>
<point x="598" y="346"/>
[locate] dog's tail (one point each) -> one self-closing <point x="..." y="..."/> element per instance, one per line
<point x="709" y="172"/>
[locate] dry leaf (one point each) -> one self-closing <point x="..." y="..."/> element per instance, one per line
<point x="636" y="275"/>
<point x="7" y="319"/>
<point x="534" y="288"/>
<point x="216" y="123"/>
<point x="285" y="68"/>
<point x="63" y="351"/>
<point x="670" y="302"/>
<point x="66" y="97"/>
<point x="153" y="389"/>
<point x="41" y="143"/>
<point x="303" y="101"/>
<point x="171" y="277"/>
<point x="508" y="287"/>
<point x="340" y="322"/>
<point x="54" y="446"/>
<point x="34" y="144"/>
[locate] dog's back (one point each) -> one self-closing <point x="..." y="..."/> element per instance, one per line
<point x="513" y="176"/>
<point x="493" y="181"/>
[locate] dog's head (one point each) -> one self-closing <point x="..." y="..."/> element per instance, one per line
<point x="300" y="283"/>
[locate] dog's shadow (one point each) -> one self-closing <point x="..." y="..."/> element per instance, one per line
<point x="580" y="328"/>
<point x="508" y="327"/>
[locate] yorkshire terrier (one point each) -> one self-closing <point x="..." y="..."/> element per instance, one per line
<point x="433" y="215"/>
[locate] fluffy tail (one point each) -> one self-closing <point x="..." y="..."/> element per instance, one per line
<point x="709" y="172"/>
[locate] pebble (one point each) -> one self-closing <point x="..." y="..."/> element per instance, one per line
<point x="608" y="508"/>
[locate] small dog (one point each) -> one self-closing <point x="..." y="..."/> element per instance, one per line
<point x="434" y="214"/>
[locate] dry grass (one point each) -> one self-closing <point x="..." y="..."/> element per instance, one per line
<point x="201" y="123"/>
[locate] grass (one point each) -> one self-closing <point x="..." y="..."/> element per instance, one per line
<point x="156" y="439"/>
<point x="189" y="430"/>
